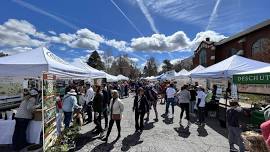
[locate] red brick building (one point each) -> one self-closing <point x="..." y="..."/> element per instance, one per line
<point x="252" y="43"/>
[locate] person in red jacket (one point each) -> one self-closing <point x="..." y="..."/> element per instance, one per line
<point x="265" y="128"/>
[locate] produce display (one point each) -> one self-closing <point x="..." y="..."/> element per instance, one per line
<point x="49" y="109"/>
<point x="10" y="87"/>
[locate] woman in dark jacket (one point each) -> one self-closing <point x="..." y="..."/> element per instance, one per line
<point x="98" y="103"/>
<point x="140" y="107"/>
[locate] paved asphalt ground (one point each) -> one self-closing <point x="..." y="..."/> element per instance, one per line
<point x="166" y="135"/>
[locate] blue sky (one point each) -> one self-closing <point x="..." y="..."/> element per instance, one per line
<point x="164" y="29"/>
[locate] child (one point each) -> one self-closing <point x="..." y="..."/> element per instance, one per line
<point x="234" y="129"/>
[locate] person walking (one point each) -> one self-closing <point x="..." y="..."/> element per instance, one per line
<point x="170" y="92"/>
<point x="201" y="104"/>
<point x="116" y="109"/>
<point x="193" y="95"/>
<point x="184" y="99"/>
<point x="89" y="96"/>
<point x="70" y="103"/>
<point x="234" y="128"/>
<point x="98" y="109"/>
<point x="106" y="103"/>
<point x="140" y="106"/>
<point x="151" y="95"/>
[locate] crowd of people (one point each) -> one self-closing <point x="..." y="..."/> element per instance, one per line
<point x="91" y="103"/>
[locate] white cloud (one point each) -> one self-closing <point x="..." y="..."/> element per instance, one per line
<point x="201" y="36"/>
<point x="147" y="15"/>
<point x="100" y="52"/>
<point x="15" y="50"/>
<point x="120" y="45"/>
<point x="160" y="67"/>
<point x="13" y="34"/>
<point x="62" y="48"/>
<point x="160" y="42"/>
<point x="174" y="61"/>
<point x="52" y="32"/>
<point x="134" y="59"/>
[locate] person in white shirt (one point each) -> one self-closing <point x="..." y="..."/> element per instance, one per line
<point x="89" y="96"/>
<point x="201" y="104"/>
<point x="170" y="92"/>
<point x="184" y="100"/>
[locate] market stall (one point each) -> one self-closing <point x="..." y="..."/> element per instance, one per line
<point x="256" y="82"/>
<point x="43" y="68"/>
<point x="122" y="78"/>
<point x="224" y="71"/>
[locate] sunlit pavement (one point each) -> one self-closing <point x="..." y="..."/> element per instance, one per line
<point x="161" y="136"/>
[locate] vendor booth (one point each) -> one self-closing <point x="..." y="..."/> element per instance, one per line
<point x="224" y="71"/>
<point x="256" y="82"/>
<point x="43" y="68"/>
<point x="122" y="78"/>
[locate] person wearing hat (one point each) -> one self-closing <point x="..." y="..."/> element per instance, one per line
<point x="234" y="128"/>
<point x="70" y="103"/>
<point x="23" y="116"/>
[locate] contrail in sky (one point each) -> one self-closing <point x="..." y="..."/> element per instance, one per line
<point x="213" y="14"/>
<point x="43" y="12"/>
<point x="148" y="16"/>
<point x="127" y="18"/>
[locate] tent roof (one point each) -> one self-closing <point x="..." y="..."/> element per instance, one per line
<point x="228" y="67"/>
<point x="182" y="72"/>
<point x="257" y="71"/>
<point x="111" y="78"/>
<point x="33" y="63"/>
<point x="197" y="69"/>
<point x="121" y="77"/>
<point x="93" y="73"/>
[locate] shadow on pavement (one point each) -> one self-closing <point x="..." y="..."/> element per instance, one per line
<point x="168" y="121"/>
<point x="183" y="132"/>
<point x="149" y="126"/>
<point x="84" y="139"/>
<point x="104" y="147"/>
<point x="214" y="124"/>
<point x="202" y="131"/>
<point x="131" y="140"/>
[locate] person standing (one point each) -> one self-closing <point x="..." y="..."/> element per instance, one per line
<point x="170" y="92"/>
<point x="23" y="117"/>
<point x="234" y="128"/>
<point x="140" y="106"/>
<point x="98" y="109"/>
<point x="201" y="104"/>
<point x="89" y="96"/>
<point x="193" y="95"/>
<point x="151" y="95"/>
<point x="184" y="99"/>
<point x="116" y="109"/>
<point x="106" y="103"/>
<point x="70" y="103"/>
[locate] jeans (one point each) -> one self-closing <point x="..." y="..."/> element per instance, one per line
<point x="19" y="136"/>
<point x="184" y="107"/>
<point x="191" y="106"/>
<point x="105" y="115"/>
<point x="118" y="122"/>
<point x="89" y="113"/>
<point x="67" y="119"/>
<point x="234" y="134"/>
<point x="139" y="115"/>
<point x="98" y="122"/>
<point x="201" y="114"/>
<point x="170" y="101"/>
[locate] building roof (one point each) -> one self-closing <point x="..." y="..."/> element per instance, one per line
<point x="245" y="32"/>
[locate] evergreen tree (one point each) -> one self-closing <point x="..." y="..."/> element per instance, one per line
<point x="167" y="66"/>
<point x="150" y="68"/>
<point x="95" y="61"/>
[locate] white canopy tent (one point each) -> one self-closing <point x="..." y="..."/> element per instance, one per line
<point x="181" y="74"/>
<point x="111" y="78"/>
<point x="93" y="73"/>
<point x="37" y="61"/>
<point x="228" y="67"/>
<point x="197" y="69"/>
<point x="168" y="75"/>
<point x="257" y="71"/>
<point x="121" y="77"/>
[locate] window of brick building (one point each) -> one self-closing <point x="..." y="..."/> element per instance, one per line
<point x="261" y="46"/>
<point x="202" y="58"/>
